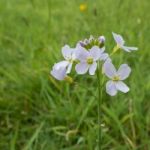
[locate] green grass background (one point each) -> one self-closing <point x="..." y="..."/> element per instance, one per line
<point x="40" y="113"/>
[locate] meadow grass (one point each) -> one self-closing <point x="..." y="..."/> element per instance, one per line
<point x="39" y="113"/>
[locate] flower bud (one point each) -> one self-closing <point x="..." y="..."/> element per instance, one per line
<point x="101" y="40"/>
<point x="89" y="43"/>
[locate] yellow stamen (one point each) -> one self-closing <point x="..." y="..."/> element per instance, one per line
<point x="70" y="60"/>
<point x="89" y="60"/>
<point x="116" y="78"/>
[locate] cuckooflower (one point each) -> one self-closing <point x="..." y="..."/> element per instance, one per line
<point x="120" y="43"/>
<point x="58" y="73"/>
<point x="116" y="83"/>
<point x="88" y="59"/>
<point x="69" y="55"/>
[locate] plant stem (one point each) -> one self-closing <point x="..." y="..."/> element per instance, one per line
<point x="99" y="106"/>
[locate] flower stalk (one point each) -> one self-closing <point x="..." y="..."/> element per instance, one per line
<point x="99" y="84"/>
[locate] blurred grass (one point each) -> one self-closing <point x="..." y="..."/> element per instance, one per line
<point x="37" y="112"/>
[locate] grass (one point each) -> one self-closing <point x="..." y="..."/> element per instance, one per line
<point x="39" y="113"/>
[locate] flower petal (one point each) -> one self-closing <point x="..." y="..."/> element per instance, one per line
<point x="67" y="51"/>
<point x="61" y="64"/>
<point x="111" y="88"/>
<point x="102" y="50"/>
<point x="69" y="68"/>
<point x="128" y="49"/>
<point x="81" y="53"/>
<point x="124" y="71"/>
<point x="81" y="68"/>
<point x="105" y="61"/>
<point x="59" y="74"/>
<point x="104" y="56"/>
<point x="92" y="68"/>
<point x="118" y="38"/>
<point x="109" y="69"/>
<point x="122" y="87"/>
<point x="95" y="52"/>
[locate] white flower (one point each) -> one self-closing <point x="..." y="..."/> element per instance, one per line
<point x="69" y="55"/>
<point x="120" y="43"/>
<point x="59" y="73"/>
<point x="88" y="59"/>
<point x="117" y="77"/>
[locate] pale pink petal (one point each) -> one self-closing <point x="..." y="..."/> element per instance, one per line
<point x="61" y="64"/>
<point x="102" y="50"/>
<point x="92" y="68"/>
<point x="111" y="88"/>
<point x="109" y="69"/>
<point x="122" y="87"/>
<point x="81" y="68"/>
<point x="129" y="49"/>
<point x="58" y="74"/>
<point x="67" y="52"/>
<point x="81" y="53"/>
<point x="124" y="71"/>
<point x="69" y="68"/>
<point x="118" y="38"/>
<point x="104" y="56"/>
<point x="105" y="61"/>
<point x="95" y="52"/>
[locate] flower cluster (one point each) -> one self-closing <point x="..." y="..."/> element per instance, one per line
<point x="86" y="56"/>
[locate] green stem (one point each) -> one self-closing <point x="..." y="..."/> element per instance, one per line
<point x="99" y="106"/>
